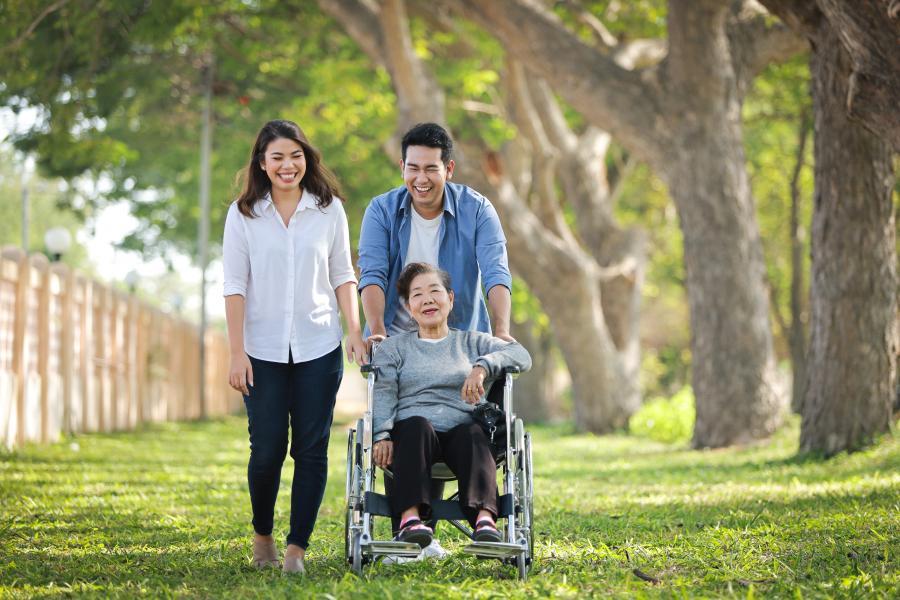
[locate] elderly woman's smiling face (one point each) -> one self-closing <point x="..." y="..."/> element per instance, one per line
<point x="429" y="301"/>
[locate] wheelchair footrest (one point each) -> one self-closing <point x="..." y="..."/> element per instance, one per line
<point x="494" y="549"/>
<point x="391" y="548"/>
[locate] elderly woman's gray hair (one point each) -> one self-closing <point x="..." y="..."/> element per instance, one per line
<point x="413" y="270"/>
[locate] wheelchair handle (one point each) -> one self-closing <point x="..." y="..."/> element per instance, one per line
<point x="369" y="367"/>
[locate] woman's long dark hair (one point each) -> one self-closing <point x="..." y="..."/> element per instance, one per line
<point x="318" y="179"/>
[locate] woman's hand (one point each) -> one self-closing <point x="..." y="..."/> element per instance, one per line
<point x="240" y="373"/>
<point x="473" y="386"/>
<point x="356" y="348"/>
<point x="383" y="453"/>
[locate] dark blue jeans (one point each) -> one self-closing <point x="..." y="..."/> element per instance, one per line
<point x="299" y="395"/>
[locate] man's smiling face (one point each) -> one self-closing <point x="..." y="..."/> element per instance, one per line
<point x="425" y="176"/>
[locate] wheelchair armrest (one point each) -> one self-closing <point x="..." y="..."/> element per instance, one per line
<point x="369" y="368"/>
<point x="511" y="370"/>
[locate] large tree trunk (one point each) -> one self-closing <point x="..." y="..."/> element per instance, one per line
<point x="870" y="32"/>
<point x="853" y="346"/>
<point x="731" y="343"/>
<point x="683" y="118"/>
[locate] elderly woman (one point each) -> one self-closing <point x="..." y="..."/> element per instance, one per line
<point x="428" y="382"/>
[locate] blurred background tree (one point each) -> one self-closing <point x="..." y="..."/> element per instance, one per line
<point x="116" y="88"/>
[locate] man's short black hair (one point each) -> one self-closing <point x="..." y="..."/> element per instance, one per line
<point x="430" y="135"/>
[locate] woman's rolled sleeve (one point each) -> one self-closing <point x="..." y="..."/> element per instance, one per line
<point x="340" y="263"/>
<point x="235" y="254"/>
<point x="497" y="355"/>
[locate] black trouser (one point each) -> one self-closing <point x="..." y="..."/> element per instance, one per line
<point x="301" y="395"/>
<point x="465" y="449"/>
<point x="436" y="491"/>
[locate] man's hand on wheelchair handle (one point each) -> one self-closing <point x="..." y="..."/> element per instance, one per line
<point x="374" y="338"/>
<point x="473" y="387"/>
<point x="383" y="453"/>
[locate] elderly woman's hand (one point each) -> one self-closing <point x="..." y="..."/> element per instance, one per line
<point x="383" y="453"/>
<point x="473" y="386"/>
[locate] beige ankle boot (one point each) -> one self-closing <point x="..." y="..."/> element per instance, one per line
<point x="293" y="562"/>
<point x="265" y="554"/>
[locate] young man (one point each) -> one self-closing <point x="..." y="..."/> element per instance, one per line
<point x="429" y="219"/>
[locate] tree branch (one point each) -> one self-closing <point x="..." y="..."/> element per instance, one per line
<point x="802" y="16"/>
<point x="359" y="18"/>
<point x="603" y="35"/>
<point x="37" y="21"/>
<point x="544" y="156"/>
<point x="640" y="54"/>
<point x="626" y="103"/>
<point x="552" y="115"/>
<point x="419" y="98"/>
<point x="755" y="43"/>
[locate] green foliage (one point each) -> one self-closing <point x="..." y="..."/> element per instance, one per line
<point x="164" y="512"/>
<point x="625" y="20"/>
<point x="121" y="85"/>
<point x="467" y="63"/>
<point x="527" y="308"/>
<point x="669" y="420"/>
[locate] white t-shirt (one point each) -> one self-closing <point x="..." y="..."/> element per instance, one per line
<point x="424" y="243"/>
<point x="287" y="275"/>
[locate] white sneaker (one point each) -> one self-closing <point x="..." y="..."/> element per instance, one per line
<point x="433" y="550"/>
<point x="400" y="560"/>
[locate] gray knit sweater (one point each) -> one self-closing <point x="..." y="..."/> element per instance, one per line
<point x="424" y="379"/>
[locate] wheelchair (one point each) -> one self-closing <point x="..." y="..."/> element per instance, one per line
<point x="512" y="453"/>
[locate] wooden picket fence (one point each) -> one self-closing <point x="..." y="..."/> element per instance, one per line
<point x="79" y="356"/>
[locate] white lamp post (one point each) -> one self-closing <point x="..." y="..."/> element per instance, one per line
<point x="58" y="240"/>
<point x="131" y="280"/>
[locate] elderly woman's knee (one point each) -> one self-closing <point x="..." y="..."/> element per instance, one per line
<point x="416" y="425"/>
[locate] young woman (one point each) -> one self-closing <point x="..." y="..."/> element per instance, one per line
<point x="287" y="272"/>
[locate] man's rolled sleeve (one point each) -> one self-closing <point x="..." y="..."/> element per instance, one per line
<point x="490" y="249"/>
<point x="235" y="255"/>
<point x="374" y="248"/>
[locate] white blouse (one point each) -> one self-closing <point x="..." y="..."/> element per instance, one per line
<point x="287" y="275"/>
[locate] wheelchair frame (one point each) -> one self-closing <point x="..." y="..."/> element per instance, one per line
<point x="516" y="505"/>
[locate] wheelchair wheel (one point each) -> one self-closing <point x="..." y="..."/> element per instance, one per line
<point x="529" y="496"/>
<point x="353" y="517"/>
<point x="524" y="534"/>
<point x="356" y="553"/>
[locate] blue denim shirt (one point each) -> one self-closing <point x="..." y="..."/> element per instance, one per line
<point x="472" y="249"/>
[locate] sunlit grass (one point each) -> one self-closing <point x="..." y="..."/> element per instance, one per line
<point x="165" y="512"/>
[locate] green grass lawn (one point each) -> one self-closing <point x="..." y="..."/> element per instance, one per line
<point x="165" y="512"/>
